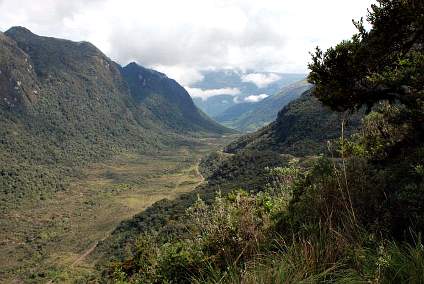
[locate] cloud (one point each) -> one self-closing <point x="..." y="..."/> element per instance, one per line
<point x="183" y="75"/>
<point x="261" y="79"/>
<point x="186" y="36"/>
<point x="255" y="98"/>
<point x="204" y="94"/>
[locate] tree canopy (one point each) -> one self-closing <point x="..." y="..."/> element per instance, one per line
<point x="385" y="62"/>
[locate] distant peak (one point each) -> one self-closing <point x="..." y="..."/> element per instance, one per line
<point x="18" y="29"/>
<point x="135" y="66"/>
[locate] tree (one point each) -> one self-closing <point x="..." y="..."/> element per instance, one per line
<point x="384" y="63"/>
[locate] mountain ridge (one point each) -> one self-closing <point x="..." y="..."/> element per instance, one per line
<point x="146" y="85"/>
<point x="302" y="127"/>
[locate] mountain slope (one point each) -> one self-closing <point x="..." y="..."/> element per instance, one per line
<point x="168" y="101"/>
<point x="249" y="117"/>
<point x="302" y="128"/>
<point x="18" y="86"/>
<point x="64" y="103"/>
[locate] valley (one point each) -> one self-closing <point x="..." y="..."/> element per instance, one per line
<point x="50" y="239"/>
<point x="113" y="172"/>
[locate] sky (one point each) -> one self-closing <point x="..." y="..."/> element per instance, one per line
<point x="183" y="37"/>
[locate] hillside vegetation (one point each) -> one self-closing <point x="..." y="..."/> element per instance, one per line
<point x="353" y="215"/>
<point x="64" y="104"/>
<point x="302" y="128"/>
<point x="168" y="102"/>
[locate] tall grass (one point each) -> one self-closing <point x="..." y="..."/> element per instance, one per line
<point x="404" y="263"/>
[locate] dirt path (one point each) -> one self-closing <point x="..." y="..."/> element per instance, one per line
<point x="198" y="172"/>
<point x="87" y="252"/>
<point x="83" y="256"/>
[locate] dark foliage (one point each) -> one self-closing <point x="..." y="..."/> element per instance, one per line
<point x="385" y="63"/>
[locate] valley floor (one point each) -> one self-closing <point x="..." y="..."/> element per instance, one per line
<point x="48" y="241"/>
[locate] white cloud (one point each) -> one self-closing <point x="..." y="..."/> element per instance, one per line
<point x="261" y="79"/>
<point x="187" y="35"/>
<point x="183" y="75"/>
<point x="204" y="94"/>
<point x="255" y="98"/>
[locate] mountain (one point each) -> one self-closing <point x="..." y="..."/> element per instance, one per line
<point x="215" y="105"/>
<point x="167" y="100"/>
<point x="249" y="117"/>
<point x="65" y="103"/>
<point x="235" y="86"/>
<point x="302" y="128"/>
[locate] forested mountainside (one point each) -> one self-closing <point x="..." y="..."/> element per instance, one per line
<point x="352" y="215"/>
<point x="302" y="128"/>
<point x="64" y="103"/>
<point x="248" y="117"/>
<point x="167" y="100"/>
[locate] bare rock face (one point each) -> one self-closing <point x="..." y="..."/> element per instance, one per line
<point x="18" y="82"/>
